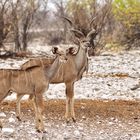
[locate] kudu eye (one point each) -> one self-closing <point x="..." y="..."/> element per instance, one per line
<point x="84" y="41"/>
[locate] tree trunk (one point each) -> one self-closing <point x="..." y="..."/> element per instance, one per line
<point x="25" y="32"/>
<point x="24" y="41"/>
<point x="16" y="39"/>
<point x="65" y="32"/>
<point x="1" y="29"/>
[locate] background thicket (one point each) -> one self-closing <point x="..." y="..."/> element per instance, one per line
<point x="117" y="22"/>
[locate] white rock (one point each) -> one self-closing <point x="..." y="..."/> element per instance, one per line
<point x="82" y="107"/>
<point x="12" y="112"/>
<point x="83" y="117"/>
<point x="66" y="135"/>
<point x="2" y="114"/>
<point x="77" y="133"/>
<point x="136" y="137"/>
<point x="80" y="128"/>
<point x="7" y="131"/>
<point x="110" y="123"/>
<point x="11" y="120"/>
<point x="11" y="139"/>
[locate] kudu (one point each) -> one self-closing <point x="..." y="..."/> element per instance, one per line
<point x="72" y="70"/>
<point x="32" y="81"/>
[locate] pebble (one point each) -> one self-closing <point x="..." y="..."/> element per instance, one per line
<point x="8" y="131"/>
<point x="77" y="133"/>
<point x="80" y="128"/>
<point x="2" y="114"/>
<point x="83" y="117"/>
<point x="66" y="135"/>
<point x="11" y="120"/>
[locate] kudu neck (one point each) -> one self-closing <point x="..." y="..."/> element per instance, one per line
<point x="80" y="57"/>
<point x="51" y="70"/>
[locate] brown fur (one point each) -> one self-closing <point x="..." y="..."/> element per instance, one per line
<point x="72" y="71"/>
<point x="37" y="62"/>
<point x="69" y="73"/>
<point x="32" y="82"/>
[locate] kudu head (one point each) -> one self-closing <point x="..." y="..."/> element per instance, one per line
<point x="80" y="39"/>
<point x="62" y="53"/>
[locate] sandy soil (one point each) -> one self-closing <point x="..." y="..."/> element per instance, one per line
<point x="96" y="120"/>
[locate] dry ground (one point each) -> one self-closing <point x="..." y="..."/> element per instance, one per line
<point x="96" y="119"/>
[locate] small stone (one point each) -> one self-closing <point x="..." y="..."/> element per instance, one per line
<point x="2" y="114"/>
<point x="11" y="139"/>
<point x="12" y="112"/>
<point x="80" y="128"/>
<point x="84" y="118"/>
<point x="99" y="122"/>
<point x="45" y="137"/>
<point x="66" y="135"/>
<point x="77" y="133"/>
<point x="11" y="120"/>
<point x="112" y="119"/>
<point x="110" y="123"/>
<point x="101" y="132"/>
<point x="7" y="131"/>
<point x="82" y="107"/>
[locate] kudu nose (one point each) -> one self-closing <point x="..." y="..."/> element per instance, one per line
<point x="87" y="44"/>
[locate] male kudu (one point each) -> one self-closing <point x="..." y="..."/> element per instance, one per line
<point x="71" y="71"/>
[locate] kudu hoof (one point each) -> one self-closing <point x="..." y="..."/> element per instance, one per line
<point x="67" y="121"/>
<point x="74" y="120"/>
<point x="19" y="119"/>
<point x="1" y="127"/>
<point x="41" y="131"/>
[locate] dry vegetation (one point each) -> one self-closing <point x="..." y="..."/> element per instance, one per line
<point x="116" y="22"/>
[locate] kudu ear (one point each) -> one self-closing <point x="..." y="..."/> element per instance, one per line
<point x="76" y="41"/>
<point x="54" y="50"/>
<point x="71" y="50"/>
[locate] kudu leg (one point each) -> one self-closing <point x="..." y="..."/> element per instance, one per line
<point x="31" y="101"/>
<point x="70" y="102"/>
<point x="3" y="95"/>
<point x="1" y="125"/>
<point x="38" y="104"/>
<point x="18" y="107"/>
<point x="72" y="109"/>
